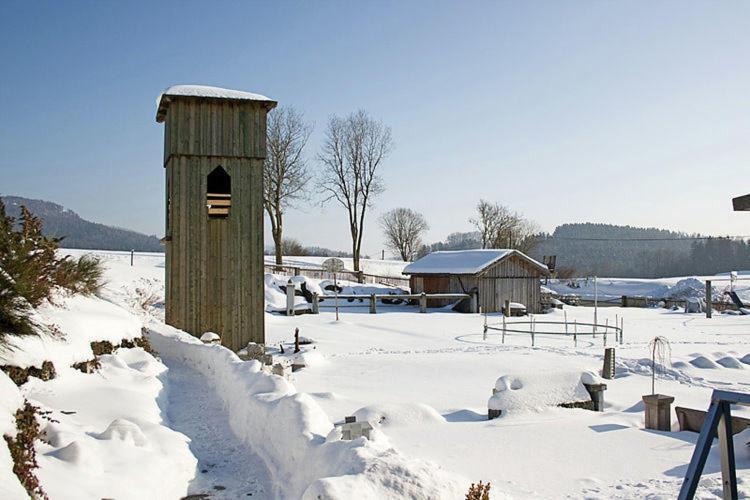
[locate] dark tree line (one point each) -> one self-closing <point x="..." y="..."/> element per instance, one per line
<point x="640" y="252"/>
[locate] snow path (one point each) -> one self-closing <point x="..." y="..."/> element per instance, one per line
<point x="226" y="467"/>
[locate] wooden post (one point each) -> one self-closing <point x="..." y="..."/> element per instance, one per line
<point x="360" y="276"/>
<point x="624" y="301"/>
<point x="296" y="340"/>
<point x="473" y="302"/>
<point x="709" y="305"/>
<point x="507" y="308"/>
<point x="132" y="253"/>
<point x="372" y="304"/>
<point x="316" y="303"/>
<point x="290" y="298"/>
<point x="423" y="303"/>
<point x="608" y="370"/>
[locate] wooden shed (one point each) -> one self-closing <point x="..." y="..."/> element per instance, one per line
<point x="214" y="147"/>
<point x="496" y="275"/>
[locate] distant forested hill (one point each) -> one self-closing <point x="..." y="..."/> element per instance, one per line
<point x="625" y="251"/>
<point x="78" y="232"/>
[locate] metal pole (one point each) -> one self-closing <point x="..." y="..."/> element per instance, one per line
<point x="336" y="294"/>
<point x="484" y="335"/>
<point x="132" y="252"/>
<point x="532" y="331"/>
<point x="565" y="313"/>
<point x="596" y="302"/>
<point x="606" y="327"/>
<point x="622" y="325"/>
<point x="575" y="332"/>
<point x="503" y="328"/>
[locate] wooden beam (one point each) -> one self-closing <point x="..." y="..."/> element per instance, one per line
<point x="741" y="203"/>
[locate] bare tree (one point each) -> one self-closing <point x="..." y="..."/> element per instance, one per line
<point x="285" y="170"/>
<point x="499" y="227"/>
<point x="403" y="228"/>
<point x="353" y="149"/>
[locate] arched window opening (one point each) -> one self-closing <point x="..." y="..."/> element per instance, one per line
<point x="219" y="193"/>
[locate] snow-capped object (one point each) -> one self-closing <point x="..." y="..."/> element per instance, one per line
<point x="124" y="430"/>
<point x="590" y="378"/>
<point x="210" y="338"/>
<point x="398" y="414"/>
<point x="205" y="91"/>
<point x="464" y="261"/>
<point x="79" y="454"/>
<point x="536" y="391"/>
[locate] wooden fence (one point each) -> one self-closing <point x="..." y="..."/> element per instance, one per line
<point x="322" y="274"/>
<point x="372" y="299"/>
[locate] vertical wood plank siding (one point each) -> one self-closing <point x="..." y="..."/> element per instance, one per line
<point x="512" y="278"/>
<point x="214" y="266"/>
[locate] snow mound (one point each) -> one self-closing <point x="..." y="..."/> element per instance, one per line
<point x="126" y="431"/>
<point x="210" y="338"/>
<point x="139" y="360"/>
<point x="398" y="415"/>
<point x="703" y="362"/>
<point x="745" y="359"/>
<point x="536" y="391"/>
<point x="687" y="288"/>
<point x="310" y="359"/>
<point x="79" y="454"/>
<point x="730" y="362"/>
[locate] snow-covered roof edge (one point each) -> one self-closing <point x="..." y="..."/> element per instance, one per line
<point x="500" y="254"/>
<point x="206" y="92"/>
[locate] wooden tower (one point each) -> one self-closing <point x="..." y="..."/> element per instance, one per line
<point x="214" y="146"/>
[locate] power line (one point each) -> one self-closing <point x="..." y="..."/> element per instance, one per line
<point x="687" y="238"/>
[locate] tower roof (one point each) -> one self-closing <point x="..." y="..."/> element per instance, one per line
<point x="205" y="92"/>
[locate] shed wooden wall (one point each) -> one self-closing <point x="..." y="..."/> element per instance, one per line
<point x="511" y="279"/>
<point x="214" y="266"/>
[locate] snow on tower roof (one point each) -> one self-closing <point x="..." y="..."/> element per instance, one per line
<point x="464" y="261"/>
<point x="206" y="92"/>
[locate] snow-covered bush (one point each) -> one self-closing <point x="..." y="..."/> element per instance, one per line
<point x="30" y="271"/>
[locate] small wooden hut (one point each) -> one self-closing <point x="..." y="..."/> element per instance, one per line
<point x="214" y="147"/>
<point x="497" y="275"/>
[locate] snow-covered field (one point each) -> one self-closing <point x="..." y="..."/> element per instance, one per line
<point x="423" y="381"/>
<point x="658" y="288"/>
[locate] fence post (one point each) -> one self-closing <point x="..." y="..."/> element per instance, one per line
<point x="503" y="328"/>
<point x="296" y="271"/>
<point x="132" y="253"/>
<point x="709" y="305"/>
<point x="506" y="311"/>
<point x="624" y="301"/>
<point x="565" y="314"/>
<point x="423" y="303"/>
<point x="360" y="276"/>
<point x="473" y="302"/>
<point x="290" y="298"/>
<point x="316" y="303"/>
<point x="606" y="327"/>
<point x="372" y="304"/>
<point x="575" y="333"/>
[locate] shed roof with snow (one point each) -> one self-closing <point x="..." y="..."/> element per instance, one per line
<point x="467" y="261"/>
<point x="205" y="92"/>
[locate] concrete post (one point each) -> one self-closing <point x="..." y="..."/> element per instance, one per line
<point x="658" y="412"/>
<point x="315" y="303"/>
<point x="506" y="310"/>
<point x="608" y="370"/>
<point x="290" y="298"/>
<point x="596" y="391"/>
<point x="373" y="309"/>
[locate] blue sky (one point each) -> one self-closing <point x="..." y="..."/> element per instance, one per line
<point x="629" y="113"/>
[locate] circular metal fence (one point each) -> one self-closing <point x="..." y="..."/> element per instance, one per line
<point x="570" y="329"/>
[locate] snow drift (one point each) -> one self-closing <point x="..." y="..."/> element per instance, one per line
<point x="288" y="431"/>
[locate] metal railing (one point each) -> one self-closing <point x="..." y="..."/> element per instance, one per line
<point x="718" y="421"/>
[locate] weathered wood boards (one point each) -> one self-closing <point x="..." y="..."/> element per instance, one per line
<point x="741" y="203"/>
<point x="214" y="241"/>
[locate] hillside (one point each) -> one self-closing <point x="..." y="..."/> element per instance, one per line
<point x="78" y="232"/>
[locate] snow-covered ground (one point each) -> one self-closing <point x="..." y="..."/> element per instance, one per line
<point x="424" y="381"/>
<point x="658" y="288"/>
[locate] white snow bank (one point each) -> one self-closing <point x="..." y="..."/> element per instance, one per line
<point x="10" y="401"/>
<point x="398" y="415"/>
<point x="288" y="431"/>
<point x="108" y="439"/>
<point x="534" y="391"/>
<point x="81" y="320"/>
